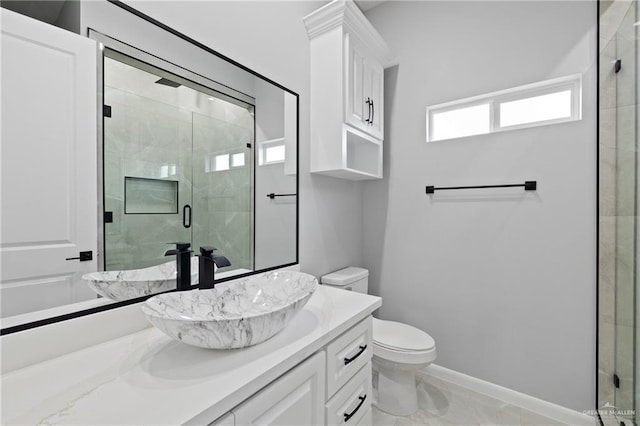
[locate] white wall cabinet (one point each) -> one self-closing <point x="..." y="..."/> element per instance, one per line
<point x="348" y="58"/>
<point x="332" y="387"/>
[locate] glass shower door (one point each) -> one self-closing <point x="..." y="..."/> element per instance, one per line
<point x="626" y="273"/>
<point x="178" y="166"/>
<point x="147" y="178"/>
<point x="619" y="204"/>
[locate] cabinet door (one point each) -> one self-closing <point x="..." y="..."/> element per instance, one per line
<point x="364" y="82"/>
<point x="356" y="103"/>
<point x="374" y="90"/>
<point x="297" y="398"/>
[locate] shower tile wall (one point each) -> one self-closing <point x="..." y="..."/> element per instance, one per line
<point x="617" y="192"/>
<point x="152" y="139"/>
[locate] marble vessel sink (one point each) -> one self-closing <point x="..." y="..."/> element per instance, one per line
<point x="130" y="284"/>
<point x="234" y="316"/>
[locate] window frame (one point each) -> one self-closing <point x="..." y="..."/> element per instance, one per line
<point x="573" y="83"/>
<point x="262" y="151"/>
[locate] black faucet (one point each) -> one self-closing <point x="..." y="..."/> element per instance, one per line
<point x="206" y="268"/>
<point x="183" y="265"/>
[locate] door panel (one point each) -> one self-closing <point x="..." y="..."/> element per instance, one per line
<point x="297" y="398"/>
<point x="356" y="108"/>
<point x="49" y="178"/>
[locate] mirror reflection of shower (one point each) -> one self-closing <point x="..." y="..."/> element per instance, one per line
<point x="178" y="166"/>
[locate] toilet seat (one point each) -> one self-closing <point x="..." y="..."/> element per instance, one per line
<point x="402" y="343"/>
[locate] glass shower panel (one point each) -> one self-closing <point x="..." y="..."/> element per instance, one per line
<point x="626" y="274"/>
<point x="223" y="183"/>
<point x="147" y="178"/>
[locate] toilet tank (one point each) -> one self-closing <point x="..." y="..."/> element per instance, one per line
<point x="351" y="278"/>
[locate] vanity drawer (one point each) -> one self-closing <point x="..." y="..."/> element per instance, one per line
<point x="347" y="354"/>
<point x="351" y="404"/>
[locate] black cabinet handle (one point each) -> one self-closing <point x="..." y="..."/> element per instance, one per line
<point x="184" y="216"/>
<point x="347" y="416"/>
<point x="83" y="256"/>
<point x="373" y="112"/>
<point x="368" y="102"/>
<point x="353" y="358"/>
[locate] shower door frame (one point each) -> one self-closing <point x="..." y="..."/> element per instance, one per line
<point x="110" y="43"/>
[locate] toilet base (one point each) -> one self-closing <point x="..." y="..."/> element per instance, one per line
<point x="395" y="387"/>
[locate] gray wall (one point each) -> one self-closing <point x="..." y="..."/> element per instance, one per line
<point x="275" y="220"/>
<point x="330" y="209"/>
<point x="504" y="281"/>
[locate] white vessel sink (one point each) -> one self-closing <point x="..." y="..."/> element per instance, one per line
<point x="235" y="316"/>
<point x="130" y="284"/>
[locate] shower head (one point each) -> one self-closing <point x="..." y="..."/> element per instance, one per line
<point x="167" y="82"/>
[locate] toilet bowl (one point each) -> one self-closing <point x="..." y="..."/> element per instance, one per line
<point x="399" y="351"/>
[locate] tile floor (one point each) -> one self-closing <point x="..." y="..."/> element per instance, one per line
<point x="447" y="404"/>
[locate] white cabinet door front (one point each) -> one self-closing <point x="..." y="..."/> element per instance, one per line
<point x="364" y="83"/>
<point x="356" y="104"/>
<point x="297" y="398"/>
<point x="374" y="87"/>
<point x="48" y="162"/>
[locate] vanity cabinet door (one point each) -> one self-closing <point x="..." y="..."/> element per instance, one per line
<point x="297" y="398"/>
<point x="364" y="85"/>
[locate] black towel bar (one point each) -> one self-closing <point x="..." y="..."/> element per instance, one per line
<point x="530" y="185"/>
<point x="272" y="195"/>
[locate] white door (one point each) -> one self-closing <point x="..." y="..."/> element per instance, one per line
<point x="48" y="164"/>
<point x="297" y="398"/>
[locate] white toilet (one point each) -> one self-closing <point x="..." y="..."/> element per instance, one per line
<point x="399" y="350"/>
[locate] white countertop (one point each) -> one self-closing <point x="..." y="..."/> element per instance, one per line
<point x="146" y="378"/>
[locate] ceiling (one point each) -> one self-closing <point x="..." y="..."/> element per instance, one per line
<point x="49" y="10"/>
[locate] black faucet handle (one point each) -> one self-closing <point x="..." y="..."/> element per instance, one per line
<point x="207" y="250"/>
<point x="181" y="246"/>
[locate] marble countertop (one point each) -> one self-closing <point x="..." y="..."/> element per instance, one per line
<point x="146" y="378"/>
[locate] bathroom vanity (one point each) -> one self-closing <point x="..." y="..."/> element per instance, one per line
<point x="316" y="371"/>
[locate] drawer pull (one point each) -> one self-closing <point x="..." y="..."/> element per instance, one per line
<point x="347" y="416"/>
<point x="353" y="358"/>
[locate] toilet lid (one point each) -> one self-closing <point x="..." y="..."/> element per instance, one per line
<point x="399" y="336"/>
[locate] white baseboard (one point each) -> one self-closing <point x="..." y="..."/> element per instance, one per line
<point x="536" y="405"/>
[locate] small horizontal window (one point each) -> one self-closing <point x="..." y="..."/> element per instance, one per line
<point x="476" y="119"/>
<point x="271" y="152"/>
<point x="546" y="102"/>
